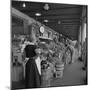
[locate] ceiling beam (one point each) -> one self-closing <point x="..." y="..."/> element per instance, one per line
<point x="59" y="18"/>
<point x="70" y="22"/>
<point x="70" y="25"/>
<point x="62" y="11"/>
<point x="62" y="23"/>
<point x="34" y="9"/>
<point x="49" y="15"/>
<point x="66" y="21"/>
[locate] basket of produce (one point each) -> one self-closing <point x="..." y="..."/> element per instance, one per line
<point x="47" y="74"/>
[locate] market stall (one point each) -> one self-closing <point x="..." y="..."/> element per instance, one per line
<point x="54" y="54"/>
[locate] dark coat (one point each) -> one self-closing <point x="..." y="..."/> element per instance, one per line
<point x="32" y="77"/>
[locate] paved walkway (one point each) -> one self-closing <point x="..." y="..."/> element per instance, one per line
<point x="73" y="75"/>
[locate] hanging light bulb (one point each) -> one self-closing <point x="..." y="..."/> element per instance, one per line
<point x="24" y="5"/>
<point x="37" y="14"/>
<point x="46" y="7"/>
<point x="46" y="20"/>
<point x="59" y="22"/>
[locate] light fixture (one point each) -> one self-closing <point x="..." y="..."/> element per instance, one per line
<point x="59" y="22"/>
<point x="46" y="7"/>
<point x="24" y="5"/>
<point x="37" y="14"/>
<point x="46" y="20"/>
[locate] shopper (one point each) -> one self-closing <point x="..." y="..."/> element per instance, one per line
<point x="32" y="74"/>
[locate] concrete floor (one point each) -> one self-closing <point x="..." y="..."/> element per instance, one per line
<point x="73" y="75"/>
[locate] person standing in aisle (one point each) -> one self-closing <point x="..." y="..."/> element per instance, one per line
<point x="32" y="73"/>
<point x="32" y="76"/>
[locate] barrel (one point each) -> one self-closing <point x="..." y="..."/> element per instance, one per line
<point x="59" y="70"/>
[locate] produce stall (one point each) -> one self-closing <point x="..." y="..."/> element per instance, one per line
<point x="54" y="55"/>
